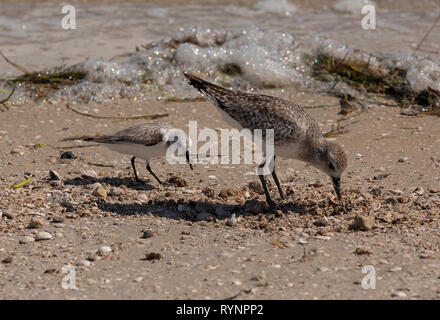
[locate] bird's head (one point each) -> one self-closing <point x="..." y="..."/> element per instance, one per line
<point x="331" y="159"/>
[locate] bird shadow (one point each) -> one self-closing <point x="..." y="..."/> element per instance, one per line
<point x="112" y="181"/>
<point x="196" y="210"/>
<point x="185" y="210"/>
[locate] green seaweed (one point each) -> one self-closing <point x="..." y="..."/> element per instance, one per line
<point x="54" y="79"/>
<point x="361" y="76"/>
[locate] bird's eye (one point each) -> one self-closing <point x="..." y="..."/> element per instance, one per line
<point x="331" y="166"/>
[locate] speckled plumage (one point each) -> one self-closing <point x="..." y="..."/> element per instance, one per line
<point x="296" y="134"/>
<point x="257" y="111"/>
<point x="146" y="134"/>
<point x="145" y="141"/>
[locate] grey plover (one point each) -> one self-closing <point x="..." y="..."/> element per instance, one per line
<point x="143" y="141"/>
<point x="296" y="134"/>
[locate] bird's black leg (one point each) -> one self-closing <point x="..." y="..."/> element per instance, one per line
<point x="134" y="169"/>
<point x="266" y="191"/>
<point x="152" y="173"/>
<point x="277" y="181"/>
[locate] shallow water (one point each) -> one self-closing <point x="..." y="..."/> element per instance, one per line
<point x="250" y="48"/>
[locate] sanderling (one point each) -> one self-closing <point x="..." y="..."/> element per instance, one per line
<point x="296" y="134"/>
<point x="143" y="141"/>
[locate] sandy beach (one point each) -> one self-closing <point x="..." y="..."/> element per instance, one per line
<point x="208" y="233"/>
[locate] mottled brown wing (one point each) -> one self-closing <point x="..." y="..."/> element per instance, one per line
<point x="144" y="134"/>
<point x="257" y="111"/>
<point x="288" y="120"/>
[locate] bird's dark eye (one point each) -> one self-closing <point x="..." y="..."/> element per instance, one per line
<point x="331" y="166"/>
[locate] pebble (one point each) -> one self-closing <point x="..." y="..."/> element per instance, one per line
<point x="27" y="239"/>
<point x="375" y="205"/>
<point x="37" y="223"/>
<point x="316" y="184"/>
<point x="56" y="184"/>
<point x="104" y="250"/>
<point x="381" y="176"/>
<point x="362" y="223"/>
<point x="153" y="256"/>
<point x="7" y="260"/>
<point x="403" y="159"/>
<point x="323" y="269"/>
<point x="261" y="279"/>
<point x="142" y="198"/>
<point x="147" y="234"/>
<point x="376" y="191"/>
<point x="18" y="150"/>
<point x="115" y="191"/>
<point x="58" y="220"/>
<point x="67" y="155"/>
<point x="11" y="215"/>
<point x="99" y="192"/>
<point x="178" y="182"/>
<point x="410" y="111"/>
<point x="53" y="175"/>
<point x="363" y="250"/>
<point x="320" y="223"/>
<point x="43" y="235"/>
<point x="226" y="193"/>
<point x="83" y="263"/>
<point x="92" y="255"/>
<point x="233" y="221"/>
<point x="212" y="177"/>
<point x="396" y="269"/>
<point x="398" y="294"/>
<point x="89" y="174"/>
<point x="63" y="198"/>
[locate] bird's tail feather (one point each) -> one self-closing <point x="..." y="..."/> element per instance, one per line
<point x="213" y="92"/>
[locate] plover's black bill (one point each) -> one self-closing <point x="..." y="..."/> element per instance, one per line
<point x="337" y="186"/>
<point x="187" y="159"/>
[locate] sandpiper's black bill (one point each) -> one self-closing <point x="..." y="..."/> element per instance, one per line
<point x="337" y="186"/>
<point x="187" y="159"/>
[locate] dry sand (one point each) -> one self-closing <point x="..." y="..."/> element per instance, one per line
<point x="305" y="250"/>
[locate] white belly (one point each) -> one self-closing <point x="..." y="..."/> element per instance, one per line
<point x="139" y="151"/>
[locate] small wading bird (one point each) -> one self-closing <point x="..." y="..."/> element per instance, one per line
<point x="143" y="141"/>
<point x="296" y="134"/>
